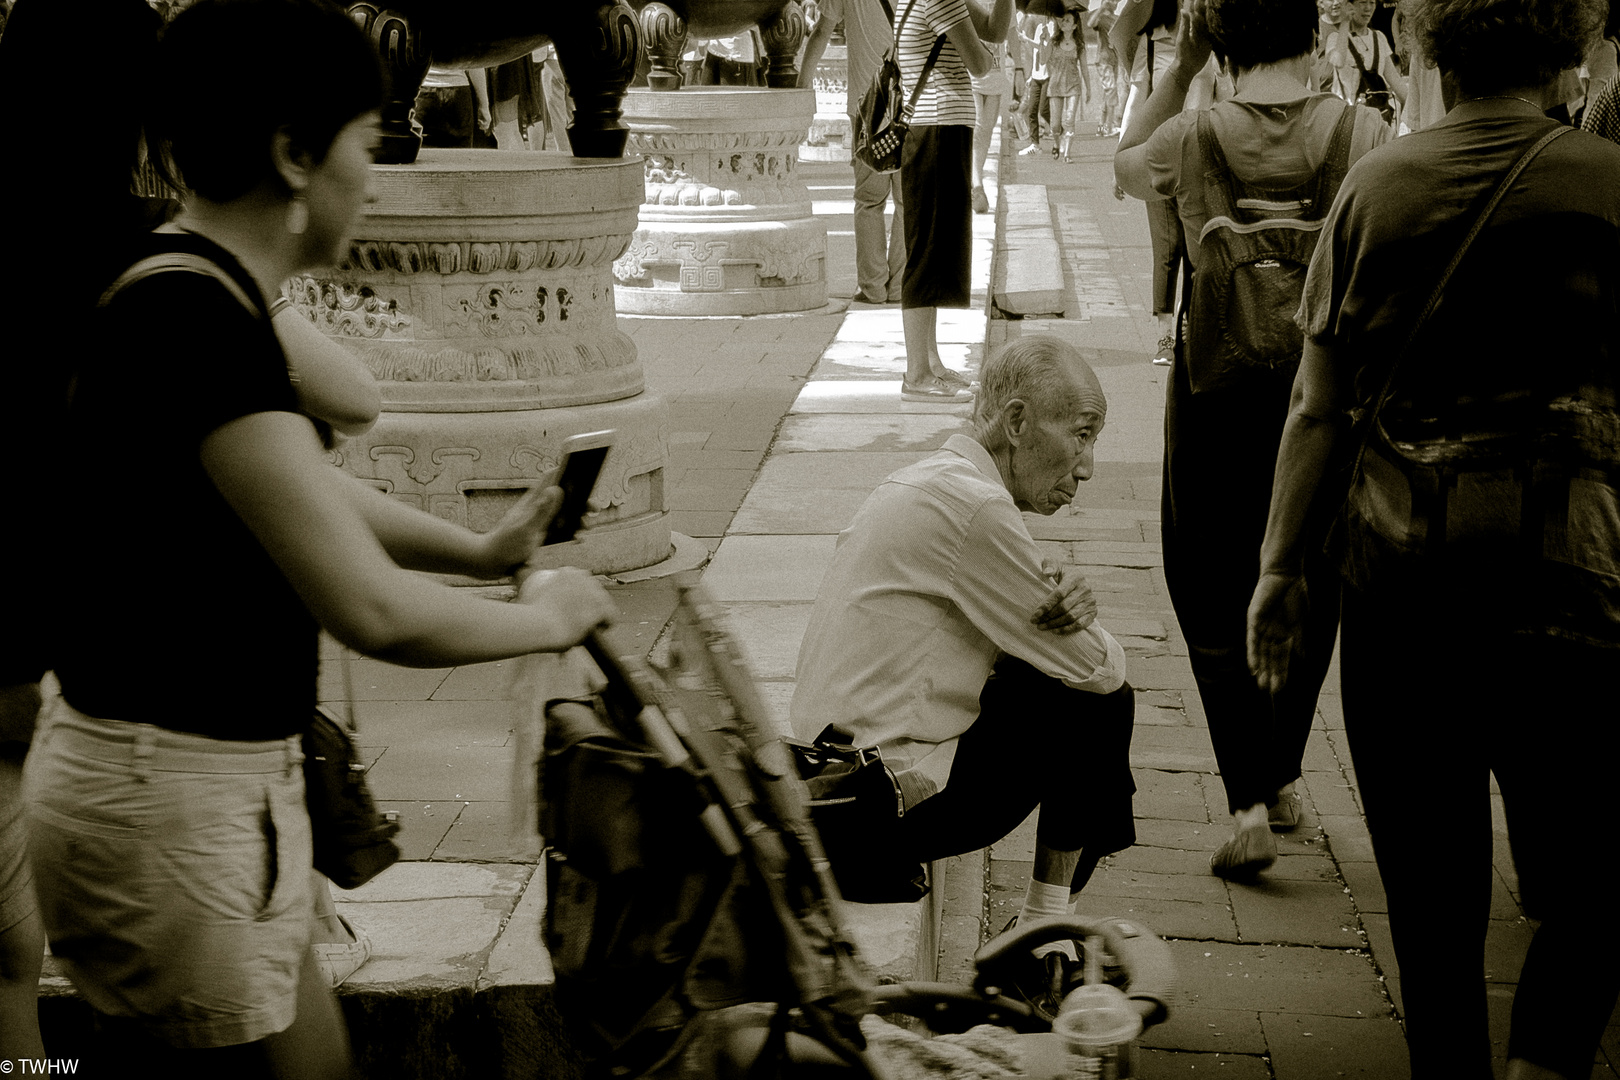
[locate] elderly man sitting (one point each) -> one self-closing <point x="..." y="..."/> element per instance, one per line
<point x="942" y="637"/>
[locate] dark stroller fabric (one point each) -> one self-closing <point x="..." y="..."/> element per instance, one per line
<point x="690" y="916"/>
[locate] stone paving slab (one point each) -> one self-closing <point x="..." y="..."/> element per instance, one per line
<point x="1279" y="979"/>
<point x="1325" y="1047"/>
<point x="867" y="396"/>
<point x="875" y="433"/>
<point x="768" y="567"/>
<point x="801" y="494"/>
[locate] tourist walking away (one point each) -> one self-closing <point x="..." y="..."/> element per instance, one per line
<point x="1067" y="83"/>
<point x="1279" y="145"/>
<point x="168" y="834"/>
<point x="943" y="637"/>
<point x="880" y="252"/>
<point x="1035" y="31"/>
<point x="1462" y="303"/>
<point x="940" y="43"/>
<point x="1109" y="78"/>
<point x="989" y="90"/>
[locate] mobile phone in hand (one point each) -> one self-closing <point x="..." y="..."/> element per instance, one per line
<point x="583" y="457"/>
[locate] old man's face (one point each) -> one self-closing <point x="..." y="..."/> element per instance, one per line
<point x="1054" y="455"/>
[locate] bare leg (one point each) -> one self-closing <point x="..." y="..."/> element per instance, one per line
<point x="922" y="351"/>
<point x="22" y="947"/>
<point x="22" y="954"/>
<point x="316" y="1047"/>
<point x="328" y="927"/>
<point x="988" y="108"/>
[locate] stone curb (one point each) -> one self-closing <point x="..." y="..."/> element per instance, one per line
<point x="1027" y="279"/>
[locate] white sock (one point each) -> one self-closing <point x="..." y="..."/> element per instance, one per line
<point x="1045" y="901"/>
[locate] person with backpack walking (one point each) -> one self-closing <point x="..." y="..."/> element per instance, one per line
<point x="1462" y="303"/>
<point x="1252" y="178"/>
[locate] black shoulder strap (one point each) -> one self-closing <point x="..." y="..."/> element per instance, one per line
<point x="1440" y="287"/>
<point x="1218" y="198"/>
<point x="182" y="261"/>
<point x="1350" y="40"/>
<point x="916" y="91"/>
<point x="888" y="11"/>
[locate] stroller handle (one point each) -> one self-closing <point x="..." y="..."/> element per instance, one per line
<point x="1145" y="958"/>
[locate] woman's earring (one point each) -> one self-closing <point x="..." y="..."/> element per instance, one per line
<point x="298" y="216"/>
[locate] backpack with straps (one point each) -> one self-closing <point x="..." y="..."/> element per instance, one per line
<point x="1254" y="251"/>
<point x="885" y="116"/>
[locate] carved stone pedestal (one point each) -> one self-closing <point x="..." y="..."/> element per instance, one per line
<point x="480" y="293"/>
<point x="726" y="226"/>
<point x="829" y="138"/>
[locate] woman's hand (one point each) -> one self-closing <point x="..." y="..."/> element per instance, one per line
<point x="1193" y="47"/>
<point x="574" y="602"/>
<point x="1276" y="621"/>
<point x="1069" y="607"/>
<point x="509" y="544"/>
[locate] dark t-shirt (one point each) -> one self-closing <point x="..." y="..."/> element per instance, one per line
<point x="169" y="610"/>
<point x="1531" y="307"/>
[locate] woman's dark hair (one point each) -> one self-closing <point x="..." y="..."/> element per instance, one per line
<point x="231" y="73"/>
<point x="1493" y="45"/>
<point x="1247" y="33"/>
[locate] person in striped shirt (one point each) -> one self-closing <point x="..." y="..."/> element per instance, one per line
<point x="936" y="176"/>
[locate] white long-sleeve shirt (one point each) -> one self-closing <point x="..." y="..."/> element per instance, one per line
<point x="935" y="577"/>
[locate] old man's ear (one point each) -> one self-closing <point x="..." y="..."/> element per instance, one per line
<point x="1016" y="416"/>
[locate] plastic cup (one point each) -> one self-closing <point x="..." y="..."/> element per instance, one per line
<point x="1098" y="1028"/>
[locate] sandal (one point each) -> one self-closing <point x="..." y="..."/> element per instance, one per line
<point x="340" y="959"/>
<point x="935" y="392"/>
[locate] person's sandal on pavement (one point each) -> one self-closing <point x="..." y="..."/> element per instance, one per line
<point x="951" y="378"/>
<point x="340" y="959"/>
<point x="1245" y="855"/>
<point x="935" y="392"/>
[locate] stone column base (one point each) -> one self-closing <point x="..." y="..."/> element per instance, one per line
<point x="470" y="468"/>
<point x="727" y="227"/>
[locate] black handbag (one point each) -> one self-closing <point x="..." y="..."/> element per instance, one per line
<point x="354" y="842"/>
<point x="855" y="803"/>
<point x="885" y="114"/>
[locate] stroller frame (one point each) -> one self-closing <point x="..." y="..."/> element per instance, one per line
<point x="693" y="919"/>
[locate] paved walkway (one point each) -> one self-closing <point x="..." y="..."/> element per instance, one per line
<point x="780" y="427"/>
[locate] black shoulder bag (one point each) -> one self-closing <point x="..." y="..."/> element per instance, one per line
<point x="885" y="116"/>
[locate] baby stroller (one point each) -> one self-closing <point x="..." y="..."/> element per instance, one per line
<point x="692" y="918"/>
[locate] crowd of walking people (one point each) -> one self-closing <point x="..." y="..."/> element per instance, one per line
<point x="1387" y="273"/>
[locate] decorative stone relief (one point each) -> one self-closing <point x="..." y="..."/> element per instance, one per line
<point x="482" y="298"/>
<point x="726" y="226"/>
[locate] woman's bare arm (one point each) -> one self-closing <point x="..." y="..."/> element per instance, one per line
<point x="333" y="384"/>
<point x="304" y="512"/>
